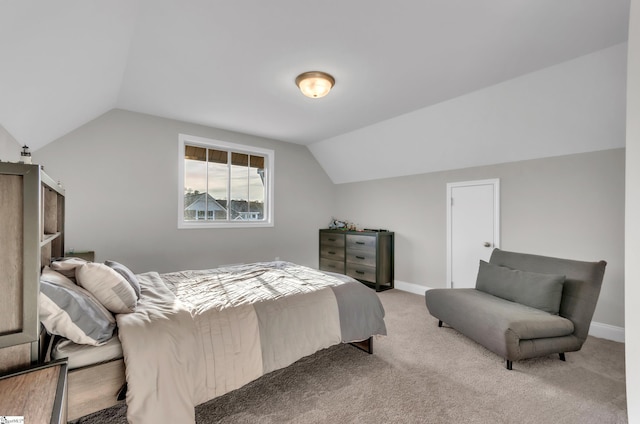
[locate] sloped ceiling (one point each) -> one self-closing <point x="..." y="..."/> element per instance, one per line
<point x="232" y="64"/>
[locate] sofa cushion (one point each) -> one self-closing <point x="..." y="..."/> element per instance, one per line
<point x="540" y="291"/>
<point x="493" y="315"/>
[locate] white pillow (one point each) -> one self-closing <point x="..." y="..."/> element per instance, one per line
<point x="72" y="312"/>
<point x="67" y="266"/>
<point x="109" y="287"/>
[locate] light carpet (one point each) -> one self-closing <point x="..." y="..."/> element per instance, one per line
<point x="420" y="373"/>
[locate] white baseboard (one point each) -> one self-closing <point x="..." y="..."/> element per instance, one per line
<point x="597" y="329"/>
<point x="410" y="287"/>
<point x="606" y="331"/>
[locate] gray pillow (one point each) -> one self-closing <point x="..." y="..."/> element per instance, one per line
<point x="127" y="274"/>
<point x="70" y="311"/>
<point x="540" y="291"/>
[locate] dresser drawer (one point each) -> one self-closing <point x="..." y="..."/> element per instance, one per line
<point x="361" y="272"/>
<point x="331" y="265"/>
<point x="362" y="257"/>
<point x="360" y="242"/>
<point x="332" y="240"/>
<point x="332" y="252"/>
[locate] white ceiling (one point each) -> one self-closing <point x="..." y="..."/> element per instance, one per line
<point x="232" y="64"/>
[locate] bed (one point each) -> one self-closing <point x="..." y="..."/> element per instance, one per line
<point x="195" y="335"/>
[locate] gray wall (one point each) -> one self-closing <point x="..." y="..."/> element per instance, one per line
<point x="120" y="175"/>
<point x="9" y="147"/>
<point x="567" y="206"/>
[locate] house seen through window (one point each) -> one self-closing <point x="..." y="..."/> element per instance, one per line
<point x="224" y="184"/>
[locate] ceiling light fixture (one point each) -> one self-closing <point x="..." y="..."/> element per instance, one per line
<point x="315" y="84"/>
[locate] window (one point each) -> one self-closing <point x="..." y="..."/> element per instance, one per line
<point x="224" y="184"/>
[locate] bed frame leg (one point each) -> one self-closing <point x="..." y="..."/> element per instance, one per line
<point x="439" y="323"/>
<point x="562" y="358"/>
<point x="122" y="393"/>
<point x="509" y="365"/>
<point x="366" y="345"/>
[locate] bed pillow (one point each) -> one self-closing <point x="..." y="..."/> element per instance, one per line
<point x="67" y="266"/>
<point x="540" y="291"/>
<point x="71" y="312"/>
<point x="109" y="287"/>
<point x="127" y="274"/>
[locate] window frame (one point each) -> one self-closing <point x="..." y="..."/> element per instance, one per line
<point x="268" y="154"/>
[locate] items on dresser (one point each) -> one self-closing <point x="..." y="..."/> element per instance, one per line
<point x="366" y="255"/>
<point x="31" y="233"/>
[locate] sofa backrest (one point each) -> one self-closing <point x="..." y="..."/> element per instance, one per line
<point x="581" y="287"/>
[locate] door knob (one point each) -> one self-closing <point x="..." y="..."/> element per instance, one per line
<point x="487" y="244"/>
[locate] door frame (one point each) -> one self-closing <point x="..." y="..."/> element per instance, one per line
<point x="496" y="215"/>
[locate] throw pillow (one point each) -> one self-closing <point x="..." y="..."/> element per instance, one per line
<point x="109" y="287"/>
<point x="127" y="274"/>
<point x="540" y="291"/>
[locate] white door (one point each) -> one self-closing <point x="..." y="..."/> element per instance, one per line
<point x="473" y="228"/>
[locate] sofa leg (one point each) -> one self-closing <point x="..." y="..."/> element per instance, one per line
<point x="562" y="358"/>
<point x="509" y="365"/>
<point x="439" y="323"/>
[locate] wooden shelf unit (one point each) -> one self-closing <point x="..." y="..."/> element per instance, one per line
<point x="31" y="233"/>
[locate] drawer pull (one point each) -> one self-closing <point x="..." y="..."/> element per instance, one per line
<point x="331" y="253"/>
<point x="360" y="257"/>
<point x="332" y="239"/>
<point x="359" y="272"/>
<point x="359" y="242"/>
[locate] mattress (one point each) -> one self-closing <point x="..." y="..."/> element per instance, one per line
<point x="81" y="355"/>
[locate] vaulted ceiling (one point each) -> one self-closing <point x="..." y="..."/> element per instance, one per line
<point x="232" y="64"/>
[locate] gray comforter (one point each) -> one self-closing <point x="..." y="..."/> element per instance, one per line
<point x="196" y="335"/>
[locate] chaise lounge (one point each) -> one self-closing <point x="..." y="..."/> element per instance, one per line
<point x="524" y="305"/>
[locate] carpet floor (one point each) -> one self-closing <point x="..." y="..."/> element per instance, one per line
<point x="420" y="373"/>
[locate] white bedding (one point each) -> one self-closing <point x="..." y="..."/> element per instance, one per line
<point x="196" y="335"/>
<point x="82" y="355"/>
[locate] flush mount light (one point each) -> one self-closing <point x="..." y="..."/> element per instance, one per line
<point x="315" y="84"/>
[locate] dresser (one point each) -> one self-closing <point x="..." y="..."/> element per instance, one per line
<point x="366" y="256"/>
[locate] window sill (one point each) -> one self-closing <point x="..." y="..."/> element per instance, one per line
<point x="203" y="225"/>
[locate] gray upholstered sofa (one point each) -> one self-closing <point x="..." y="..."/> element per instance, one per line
<point x="524" y="305"/>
